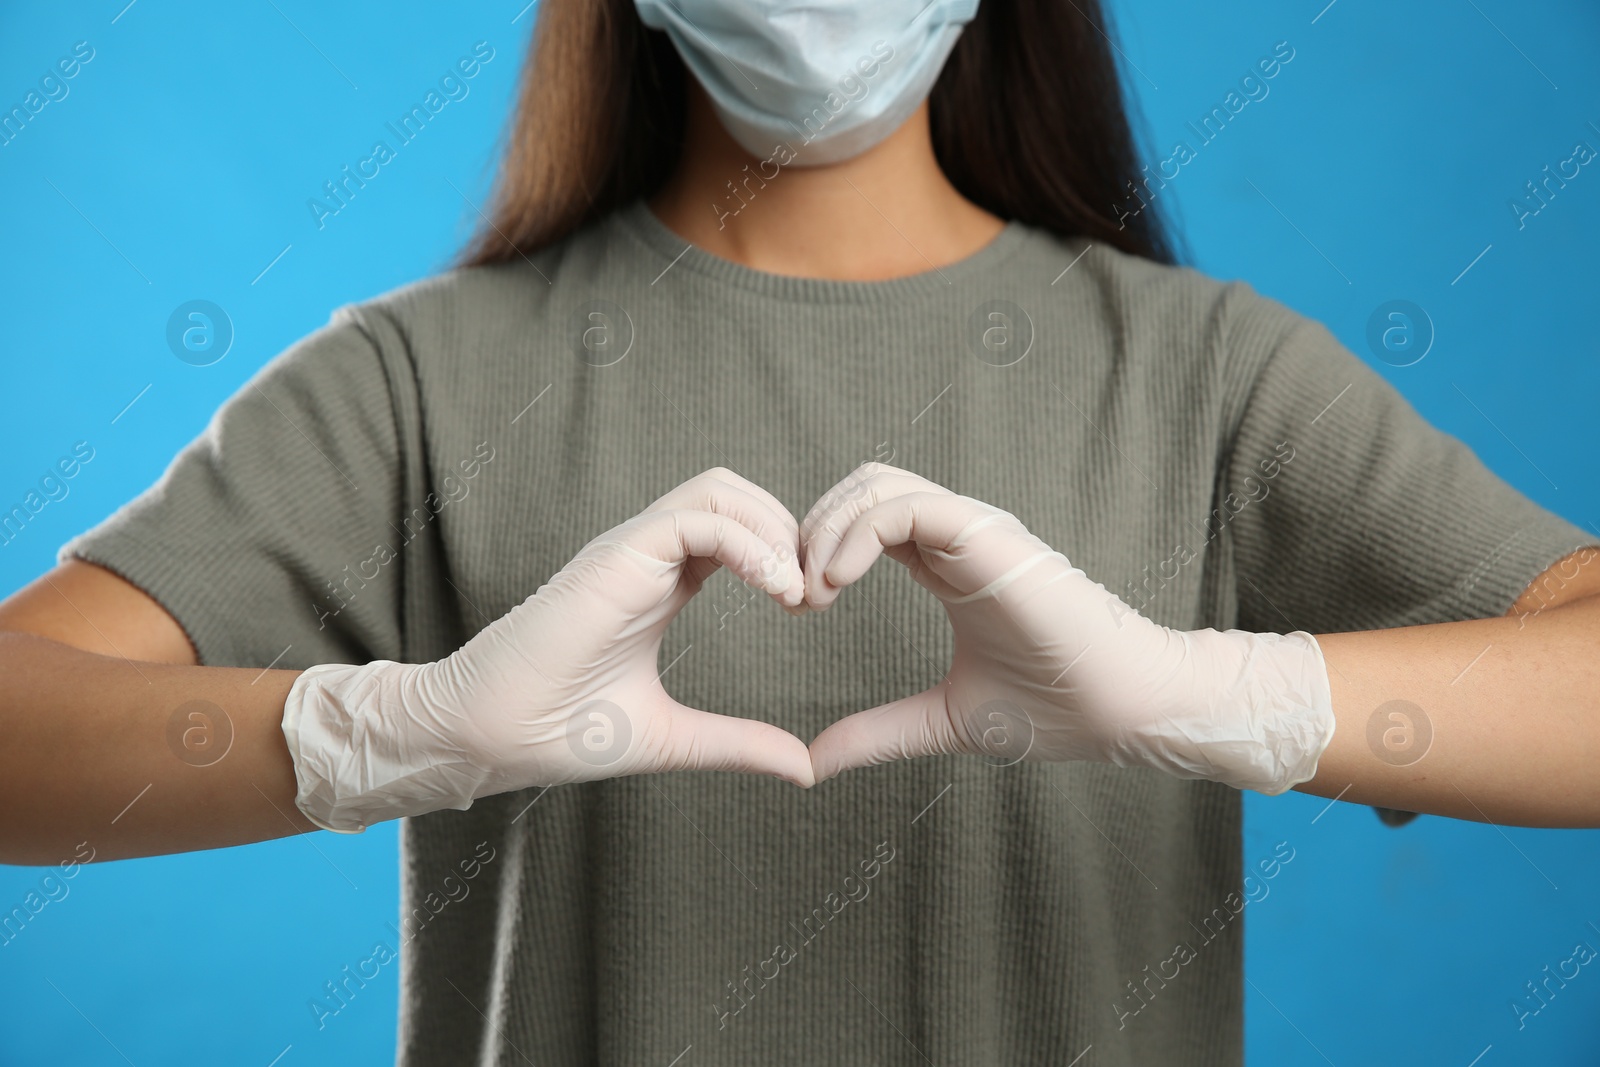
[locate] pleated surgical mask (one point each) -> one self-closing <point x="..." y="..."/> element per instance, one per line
<point x="828" y="78"/>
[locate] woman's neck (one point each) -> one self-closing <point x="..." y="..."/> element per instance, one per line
<point x="886" y="213"/>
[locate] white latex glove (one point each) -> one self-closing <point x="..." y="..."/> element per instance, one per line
<point x="562" y="688"/>
<point x="1050" y="665"/>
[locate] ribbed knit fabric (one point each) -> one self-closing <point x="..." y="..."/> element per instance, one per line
<point x="403" y="476"/>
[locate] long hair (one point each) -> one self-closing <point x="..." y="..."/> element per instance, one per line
<point x="1028" y="121"/>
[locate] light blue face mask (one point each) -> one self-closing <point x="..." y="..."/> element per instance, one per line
<point x="827" y="78"/>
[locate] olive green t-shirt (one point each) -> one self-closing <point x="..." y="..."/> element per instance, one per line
<point x="398" y="479"/>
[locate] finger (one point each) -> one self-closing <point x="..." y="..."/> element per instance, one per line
<point x="724" y="492"/>
<point x="939" y="523"/>
<point x="679" y="536"/>
<point x="700" y="741"/>
<point x="820" y="532"/>
<point x="901" y="729"/>
<point x="790" y="524"/>
<point x="876" y="481"/>
<point x="728" y="493"/>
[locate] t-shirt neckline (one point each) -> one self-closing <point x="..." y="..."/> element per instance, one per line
<point x="676" y="254"/>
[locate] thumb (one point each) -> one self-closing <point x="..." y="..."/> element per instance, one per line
<point x="901" y="729"/>
<point x="701" y="741"/>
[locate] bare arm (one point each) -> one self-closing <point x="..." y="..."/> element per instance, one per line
<point x="96" y="671"/>
<point x="1494" y="720"/>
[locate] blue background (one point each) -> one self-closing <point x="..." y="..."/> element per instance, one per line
<point x="1379" y="167"/>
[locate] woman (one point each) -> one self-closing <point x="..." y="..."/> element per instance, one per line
<point x="425" y="565"/>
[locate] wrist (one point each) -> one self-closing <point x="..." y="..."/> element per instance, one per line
<point x="353" y="735"/>
<point x="1270" y="705"/>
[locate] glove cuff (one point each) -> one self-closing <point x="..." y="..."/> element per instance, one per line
<point x="1281" y="697"/>
<point x="348" y="729"/>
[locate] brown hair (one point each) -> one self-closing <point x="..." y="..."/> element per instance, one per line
<point x="1028" y="121"/>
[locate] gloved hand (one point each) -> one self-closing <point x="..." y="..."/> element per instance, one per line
<point x="562" y="688"/>
<point x="1050" y="665"/>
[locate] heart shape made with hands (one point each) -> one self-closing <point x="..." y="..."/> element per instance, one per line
<point x="1020" y="684"/>
<point x="565" y="687"/>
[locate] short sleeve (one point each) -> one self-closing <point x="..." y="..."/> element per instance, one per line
<point x="270" y="536"/>
<point x="1347" y="511"/>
